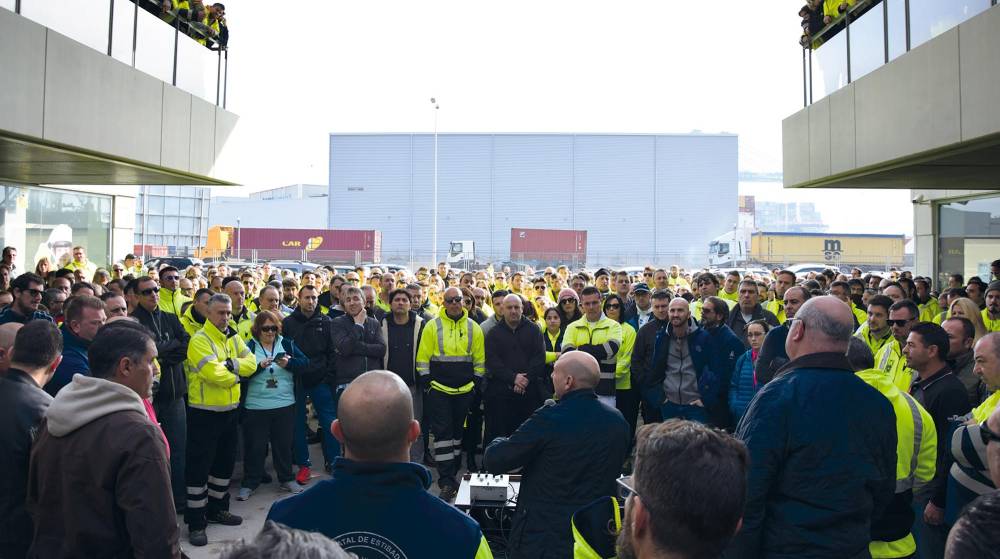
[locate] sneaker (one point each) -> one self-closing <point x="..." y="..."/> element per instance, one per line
<point x="225" y="518"/>
<point x="244" y="494"/>
<point x="198" y="538"/>
<point x="291" y="487"/>
<point x="448" y="493"/>
<point x="304" y="475"/>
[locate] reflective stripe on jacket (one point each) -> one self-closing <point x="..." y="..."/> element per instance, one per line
<point x="603" y="340"/>
<point x="211" y="386"/>
<point x="452" y="354"/>
<point x="890" y="361"/>
<point x="916" y="461"/>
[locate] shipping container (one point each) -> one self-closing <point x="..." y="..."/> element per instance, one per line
<point x="838" y="249"/>
<point x="150" y="251"/>
<point x="327" y="246"/>
<point x="548" y="246"/>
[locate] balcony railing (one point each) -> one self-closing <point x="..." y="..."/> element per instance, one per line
<point x="872" y="33"/>
<point x="165" y="48"/>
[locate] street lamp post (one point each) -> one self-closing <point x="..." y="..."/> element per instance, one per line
<point x="238" y="238"/>
<point x="434" y="234"/>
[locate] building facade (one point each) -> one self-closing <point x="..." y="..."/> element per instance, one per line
<point x="296" y="206"/>
<point x="171" y="219"/>
<point x="641" y="199"/>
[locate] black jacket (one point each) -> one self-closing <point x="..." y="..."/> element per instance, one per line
<point x="822" y="449"/>
<point x="643" y="353"/>
<point x="944" y="397"/>
<point x="739" y="326"/>
<point x="357" y="348"/>
<point x="571" y="453"/>
<point x="171" y="351"/>
<point x="772" y="356"/>
<point x="22" y="406"/>
<point x="313" y="336"/>
<point x="514" y="351"/>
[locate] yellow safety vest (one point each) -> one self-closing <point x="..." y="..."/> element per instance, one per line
<point x="991" y="325"/>
<point x="890" y="361"/>
<point x="916" y="453"/>
<point x="623" y="369"/>
<point x="595" y="528"/>
<point x="451" y="353"/>
<point x="211" y="386"/>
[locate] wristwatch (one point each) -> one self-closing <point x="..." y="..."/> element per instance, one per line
<point x="986" y="434"/>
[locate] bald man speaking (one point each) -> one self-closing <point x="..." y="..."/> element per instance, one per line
<point x="377" y="504"/>
<point x="571" y="453"/>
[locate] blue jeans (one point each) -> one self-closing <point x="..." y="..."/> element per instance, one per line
<point x="671" y="410"/>
<point x="325" y="403"/>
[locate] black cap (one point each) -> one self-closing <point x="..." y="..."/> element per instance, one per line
<point x="640" y="287"/>
<point x="994" y="286"/>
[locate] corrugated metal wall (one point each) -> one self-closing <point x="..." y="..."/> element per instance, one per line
<point x="641" y="198"/>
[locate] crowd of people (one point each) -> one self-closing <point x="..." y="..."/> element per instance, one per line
<point x="833" y="415"/>
<point x="205" y="23"/>
<point x="817" y="14"/>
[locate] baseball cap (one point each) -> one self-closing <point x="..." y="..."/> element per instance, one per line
<point x="640" y="287"/>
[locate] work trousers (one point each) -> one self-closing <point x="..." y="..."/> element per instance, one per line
<point x="172" y="416"/>
<point x="326" y="411"/>
<point x="261" y="427"/>
<point x="417" y="448"/>
<point x="472" y="438"/>
<point x="505" y="411"/>
<point x="627" y="402"/>
<point x="446" y="414"/>
<point x="211" y="455"/>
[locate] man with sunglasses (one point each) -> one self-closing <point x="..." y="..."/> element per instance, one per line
<point x="451" y="361"/>
<point x="903" y="316"/>
<point x="171" y="298"/>
<point x="171" y="341"/>
<point x="27" y="290"/>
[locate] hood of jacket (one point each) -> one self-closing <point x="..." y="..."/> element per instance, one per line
<point x="692" y="327"/>
<point x="87" y="399"/>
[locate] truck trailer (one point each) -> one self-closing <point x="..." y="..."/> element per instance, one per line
<point x="778" y="249"/>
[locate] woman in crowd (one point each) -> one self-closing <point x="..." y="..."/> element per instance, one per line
<point x="269" y="408"/>
<point x="43" y="268"/>
<point x="469" y="302"/>
<point x="743" y="385"/>
<point x="569" y="306"/>
<point x="553" y="335"/>
<point x="963" y="307"/>
<point x="626" y="398"/>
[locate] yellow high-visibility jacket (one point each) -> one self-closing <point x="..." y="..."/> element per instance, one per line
<point x="451" y="354"/>
<point x="211" y="386"/>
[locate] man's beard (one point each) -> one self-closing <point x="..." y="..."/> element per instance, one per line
<point x="624" y="541"/>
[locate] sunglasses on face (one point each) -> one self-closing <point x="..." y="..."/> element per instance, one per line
<point x="33" y="292"/>
<point x="898" y="322"/>
<point x="170" y="278"/>
<point x="564" y="301"/>
<point x="149" y="291"/>
<point x="613" y="306"/>
<point x="269" y="329"/>
<point x="452" y="300"/>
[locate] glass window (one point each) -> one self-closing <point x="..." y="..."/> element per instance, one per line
<point x="48" y="223"/>
<point x="187" y="206"/>
<point x="968" y="237"/>
<point x="85" y="23"/>
<point x="867" y="42"/>
<point x="154" y="224"/>
<point x="897" y="27"/>
<point x="170" y="225"/>
<point x="829" y="66"/>
<point x="155" y="205"/>
<point x="171" y="205"/>
<point x="930" y="18"/>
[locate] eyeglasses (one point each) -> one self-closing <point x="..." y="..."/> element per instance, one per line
<point x="626" y="487"/>
<point x="899" y="321"/>
<point x="150" y="291"/>
<point x="171" y="278"/>
<point x="539" y="288"/>
<point x="567" y="300"/>
<point x="33" y="292"/>
<point x="269" y="329"/>
<point x="612" y="306"/>
<point x="452" y="300"/>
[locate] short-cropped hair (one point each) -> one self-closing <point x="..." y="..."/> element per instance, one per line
<point x="37" y="344"/>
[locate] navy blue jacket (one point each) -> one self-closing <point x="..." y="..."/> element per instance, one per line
<point x="722" y="360"/>
<point x="383" y="507"/>
<point x="742" y="387"/>
<point x="822" y="463"/>
<point x="10" y="315"/>
<point x="74" y="360"/>
<point x="701" y="347"/>
<point x="571" y="453"/>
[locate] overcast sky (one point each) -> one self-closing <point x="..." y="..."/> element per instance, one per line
<point x="320" y="66"/>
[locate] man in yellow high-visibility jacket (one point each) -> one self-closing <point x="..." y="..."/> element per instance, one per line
<point x="451" y="360"/>
<point x="784" y="280"/>
<point x="217" y="358"/>
<point x="916" y="457"/>
<point x="903" y="315"/>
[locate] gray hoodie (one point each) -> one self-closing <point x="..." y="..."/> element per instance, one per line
<point x="680" y="384"/>
<point x="86" y="399"/>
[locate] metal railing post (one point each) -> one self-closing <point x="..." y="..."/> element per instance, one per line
<point x="847" y="30"/>
<point x="218" y="77"/>
<point x="225" y="79"/>
<point x="810" y="74"/>
<point x="805" y="78"/>
<point x="906" y="11"/>
<point x="135" y="30"/>
<point x="111" y="24"/>
<point x="17" y="6"/>
<point x="885" y="30"/>
<point x="177" y="36"/>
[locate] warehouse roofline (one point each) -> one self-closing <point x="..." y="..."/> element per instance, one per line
<point x="794" y="234"/>
<point x="673" y="134"/>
